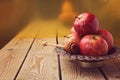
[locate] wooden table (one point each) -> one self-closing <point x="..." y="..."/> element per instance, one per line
<point x="24" y="58"/>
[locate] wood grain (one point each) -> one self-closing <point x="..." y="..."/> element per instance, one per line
<point x="41" y="64"/>
<point x="10" y="61"/>
<point x="111" y="71"/>
<point x="12" y="56"/>
<point x="44" y="56"/>
<point x="19" y="43"/>
<point x="39" y="42"/>
<point x="71" y="70"/>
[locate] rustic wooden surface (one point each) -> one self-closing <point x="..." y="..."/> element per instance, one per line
<point x="10" y="62"/>
<point x="24" y="58"/>
<point x="41" y="63"/>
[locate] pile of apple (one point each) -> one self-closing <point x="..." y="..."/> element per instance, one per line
<point x="86" y="38"/>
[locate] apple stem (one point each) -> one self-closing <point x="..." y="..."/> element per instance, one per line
<point x="94" y="37"/>
<point x="77" y="17"/>
<point x="66" y="37"/>
<point x="45" y="43"/>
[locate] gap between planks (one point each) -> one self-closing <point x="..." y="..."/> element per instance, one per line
<point x="41" y="63"/>
<point x="21" y="75"/>
<point x="59" y="65"/>
<point x="25" y="57"/>
<point x="17" y="50"/>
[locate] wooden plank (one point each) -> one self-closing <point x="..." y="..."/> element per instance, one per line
<point x="18" y="43"/>
<point x="71" y="70"/>
<point x="111" y="71"/>
<point x="22" y="41"/>
<point x="28" y="70"/>
<point x="39" y="42"/>
<point x="44" y="29"/>
<point x="10" y="61"/>
<point x="40" y="64"/>
<point x="13" y="54"/>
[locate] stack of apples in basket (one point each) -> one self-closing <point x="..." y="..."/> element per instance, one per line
<point x="86" y="37"/>
<point x="87" y="43"/>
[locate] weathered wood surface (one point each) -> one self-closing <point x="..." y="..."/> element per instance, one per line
<point x="40" y="65"/>
<point x="111" y="71"/>
<point x="18" y="43"/>
<point x="71" y="70"/>
<point x="10" y="62"/>
<point x="41" y="62"/>
<point x="12" y="56"/>
<point x="37" y="62"/>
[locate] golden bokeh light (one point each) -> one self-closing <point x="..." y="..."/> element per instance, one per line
<point x="67" y="14"/>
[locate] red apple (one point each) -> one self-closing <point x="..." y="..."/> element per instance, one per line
<point x="107" y="36"/>
<point x="86" y="23"/>
<point x="93" y="45"/>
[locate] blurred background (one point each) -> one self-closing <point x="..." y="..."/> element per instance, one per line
<point x="16" y="14"/>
